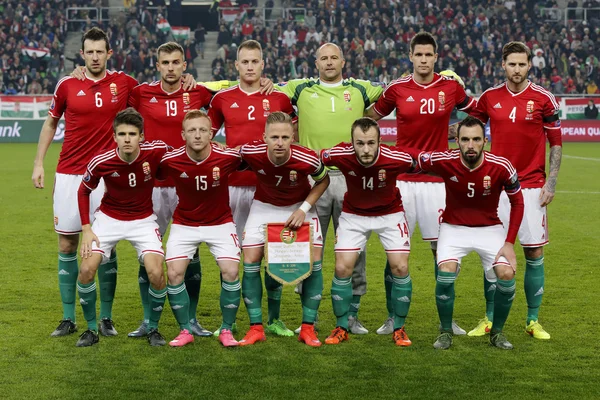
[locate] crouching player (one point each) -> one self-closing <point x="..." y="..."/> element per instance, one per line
<point x="371" y="204"/>
<point x="125" y="213"/>
<point x="200" y="171"/>
<point x="283" y="194"/>
<point x="474" y="180"/>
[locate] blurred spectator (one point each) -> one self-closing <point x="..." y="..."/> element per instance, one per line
<point x="200" y="39"/>
<point x="591" y="111"/>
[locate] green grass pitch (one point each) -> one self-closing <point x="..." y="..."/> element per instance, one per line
<point x="35" y="366"/>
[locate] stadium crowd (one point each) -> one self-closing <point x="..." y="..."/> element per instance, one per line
<point x="375" y="35"/>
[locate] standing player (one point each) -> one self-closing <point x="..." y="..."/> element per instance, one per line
<point x="163" y="105"/>
<point x="423" y="102"/>
<point x="283" y="194"/>
<point x="243" y="111"/>
<point x="200" y="171"/>
<point x="89" y="107"/>
<point x="474" y="180"/>
<point x="518" y="105"/>
<point x="125" y="213"/>
<point x="371" y="204"/>
<point x="327" y="107"/>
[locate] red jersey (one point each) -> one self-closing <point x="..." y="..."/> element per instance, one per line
<point x="285" y="184"/>
<point x="472" y="195"/>
<point x="244" y="116"/>
<point x="163" y="112"/>
<point x="423" y="114"/>
<point x="519" y="125"/>
<point x="128" y="185"/>
<point x="202" y="187"/>
<point x="371" y="190"/>
<point x="89" y="108"/>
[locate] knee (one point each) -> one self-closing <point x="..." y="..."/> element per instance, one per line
<point x="533" y="252"/>
<point x="342" y="270"/>
<point x="448" y="267"/>
<point x="229" y="274"/>
<point x="68" y="244"/>
<point x="504" y="272"/>
<point x="86" y="272"/>
<point x="175" y="276"/>
<point x="399" y="269"/>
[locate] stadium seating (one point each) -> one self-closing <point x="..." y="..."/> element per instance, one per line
<point x="375" y="37"/>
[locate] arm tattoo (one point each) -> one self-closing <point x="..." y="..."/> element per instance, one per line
<point x="452" y="131"/>
<point x="555" y="158"/>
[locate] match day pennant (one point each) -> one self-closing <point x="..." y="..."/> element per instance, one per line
<point x="289" y="253"/>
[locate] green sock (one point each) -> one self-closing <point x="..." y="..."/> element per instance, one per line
<point x="252" y="292"/>
<point x="401" y="295"/>
<point x="157" y="299"/>
<point x="144" y="283"/>
<point x="341" y="296"/>
<point x="87" y="299"/>
<point x="444" y="298"/>
<point x="354" y="306"/>
<point x="230" y="302"/>
<point x="67" y="281"/>
<point x="193" y="279"/>
<point x="107" y="281"/>
<point x="312" y="290"/>
<point x="180" y="304"/>
<point x="388" y="282"/>
<point x="534" y="286"/>
<point x="489" y="291"/>
<point x="273" y="297"/>
<point x="505" y="293"/>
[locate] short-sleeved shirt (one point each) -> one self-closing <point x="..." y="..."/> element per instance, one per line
<point x="90" y="108"/>
<point x="519" y="124"/>
<point x="372" y="189"/>
<point x="326" y="111"/>
<point x="285" y="184"/>
<point x="423" y="113"/>
<point x="202" y="186"/>
<point x="128" y="185"/>
<point x="244" y="116"/>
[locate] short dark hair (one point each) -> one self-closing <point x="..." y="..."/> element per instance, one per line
<point x="365" y="123"/>
<point x="470" y="122"/>
<point x="423" y="38"/>
<point x="95" y="35"/>
<point x="515" y="47"/>
<point x="169" y="48"/>
<point x="129" y="116"/>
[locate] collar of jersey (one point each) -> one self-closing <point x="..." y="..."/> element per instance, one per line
<point x="477" y="167"/>
<point x="128" y="162"/>
<point x="325" y="84"/>
<point x="96" y="80"/>
<point x="513" y="94"/>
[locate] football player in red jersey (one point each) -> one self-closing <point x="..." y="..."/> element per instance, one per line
<point x="125" y="213"/>
<point x="243" y="111"/>
<point x="200" y="172"/>
<point x="89" y="106"/>
<point x="474" y="180"/>
<point x="283" y="194"/>
<point x="372" y="203"/>
<point x="424" y="101"/>
<point x="519" y="106"/>
<point x="163" y="105"/>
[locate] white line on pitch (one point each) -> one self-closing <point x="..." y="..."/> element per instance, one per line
<point x="576" y="192"/>
<point x="581" y="158"/>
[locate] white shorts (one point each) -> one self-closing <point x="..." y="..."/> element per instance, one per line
<point x="533" y="231"/>
<point x="424" y="203"/>
<point x="221" y="240"/>
<point x="456" y="241"/>
<point x="240" y="201"/>
<point x="263" y="213"/>
<point x="164" y="202"/>
<point x="143" y="234"/>
<point x="66" y="209"/>
<point x="354" y="231"/>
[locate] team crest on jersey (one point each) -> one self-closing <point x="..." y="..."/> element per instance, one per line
<point x="186" y="98"/>
<point x="293" y="178"/>
<point x="216" y="176"/>
<point x="347" y="97"/>
<point x="382" y="177"/>
<point x="442" y="100"/>
<point x="487" y="184"/>
<point x="530" y="108"/>
<point x="114" y="92"/>
<point x="266" y="107"/>
<point x="146" y="170"/>
<point x="288" y="236"/>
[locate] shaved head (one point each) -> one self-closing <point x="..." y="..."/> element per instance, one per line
<point x="332" y="45"/>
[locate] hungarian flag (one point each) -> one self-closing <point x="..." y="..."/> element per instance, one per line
<point x="163" y="25"/>
<point x="42" y="105"/>
<point x="230" y="14"/>
<point x="17" y="106"/>
<point x="39" y="52"/>
<point x="181" y="32"/>
<point x="574" y="108"/>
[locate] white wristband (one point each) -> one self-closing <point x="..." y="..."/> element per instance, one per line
<point x="305" y="207"/>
